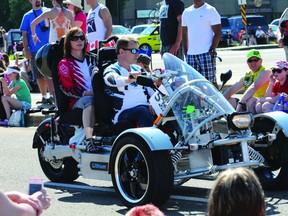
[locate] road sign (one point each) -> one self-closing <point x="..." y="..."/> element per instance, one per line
<point x="242" y="2"/>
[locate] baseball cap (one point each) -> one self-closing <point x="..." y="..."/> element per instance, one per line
<point x="11" y="70"/>
<point x="280" y="65"/>
<point x="253" y="53"/>
<point x="144" y="59"/>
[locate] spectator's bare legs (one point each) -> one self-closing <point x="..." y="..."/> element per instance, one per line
<point x="50" y="87"/>
<point x="251" y="103"/>
<point x="88" y="119"/>
<point x="258" y="107"/>
<point x="42" y="86"/>
<point x="267" y="107"/>
<point x="233" y="102"/>
<point x="9" y="102"/>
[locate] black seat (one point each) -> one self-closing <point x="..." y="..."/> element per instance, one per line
<point x="103" y="105"/>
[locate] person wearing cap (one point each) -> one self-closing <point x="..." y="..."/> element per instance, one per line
<point x="144" y="61"/>
<point x="255" y="83"/>
<point x="278" y="84"/>
<point x="17" y="87"/>
<point x="79" y="15"/>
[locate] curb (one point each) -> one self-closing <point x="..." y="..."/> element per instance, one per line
<point x="34" y="119"/>
<point x="261" y="46"/>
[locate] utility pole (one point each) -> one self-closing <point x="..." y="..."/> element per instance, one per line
<point x="242" y="4"/>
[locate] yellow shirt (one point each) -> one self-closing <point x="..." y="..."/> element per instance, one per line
<point x="251" y="77"/>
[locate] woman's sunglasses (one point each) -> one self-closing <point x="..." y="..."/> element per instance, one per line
<point x="133" y="51"/>
<point x="76" y="38"/>
<point x="277" y="70"/>
<point x="253" y="60"/>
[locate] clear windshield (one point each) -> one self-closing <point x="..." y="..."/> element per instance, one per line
<point x="148" y="30"/>
<point x="195" y="101"/>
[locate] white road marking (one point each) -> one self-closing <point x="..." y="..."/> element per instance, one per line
<point x="110" y="190"/>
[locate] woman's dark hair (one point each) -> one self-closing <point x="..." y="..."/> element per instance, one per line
<point x="76" y="10"/>
<point x="67" y="44"/>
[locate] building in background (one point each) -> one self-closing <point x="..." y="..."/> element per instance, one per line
<point x="136" y="12"/>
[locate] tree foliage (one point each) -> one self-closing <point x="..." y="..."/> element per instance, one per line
<point x="12" y="11"/>
<point x="17" y="10"/>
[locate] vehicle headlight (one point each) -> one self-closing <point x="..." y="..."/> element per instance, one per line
<point x="240" y="120"/>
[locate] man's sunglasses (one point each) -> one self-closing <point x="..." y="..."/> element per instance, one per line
<point x="76" y="38"/>
<point x="253" y="60"/>
<point x="133" y="51"/>
<point x="276" y="70"/>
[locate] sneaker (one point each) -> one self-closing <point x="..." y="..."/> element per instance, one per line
<point x="49" y="101"/>
<point x="91" y="147"/>
<point x="43" y="101"/>
<point x="4" y="123"/>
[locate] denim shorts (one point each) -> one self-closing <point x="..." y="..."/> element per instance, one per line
<point x="83" y="102"/>
<point x="26" y="105"/>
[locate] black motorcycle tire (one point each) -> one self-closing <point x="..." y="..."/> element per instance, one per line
<point x="62" y="171"/>
<point x="139" y="175"/>
<point x="275" y="175"/>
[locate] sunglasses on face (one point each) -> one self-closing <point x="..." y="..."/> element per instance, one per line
<point x="76" y="38"/>
<point x="275" y="70"/>
<point x="133" y="51"/>
<point x="253" y="60"/>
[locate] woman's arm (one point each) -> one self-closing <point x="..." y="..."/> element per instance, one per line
<point x="36" y="21"/>
<point x="7" y="90"/>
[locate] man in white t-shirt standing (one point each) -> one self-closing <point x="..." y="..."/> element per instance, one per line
<point x="99" y="24"/>
<point x="201" y="35"/>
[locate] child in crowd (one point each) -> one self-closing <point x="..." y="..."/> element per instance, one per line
<point x="144" y="61"/>
<point x="278" y="84"/>
<point x="237" y="192"/>
<point x="17" y="87"/>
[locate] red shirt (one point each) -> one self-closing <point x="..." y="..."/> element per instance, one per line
<point x="277" y="88"/>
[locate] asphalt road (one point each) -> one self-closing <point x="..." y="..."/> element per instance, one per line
<point x="91" y="197"/>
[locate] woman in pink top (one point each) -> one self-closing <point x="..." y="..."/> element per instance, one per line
<point x="79" y="16"/>
<point x="61" y="20"/>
